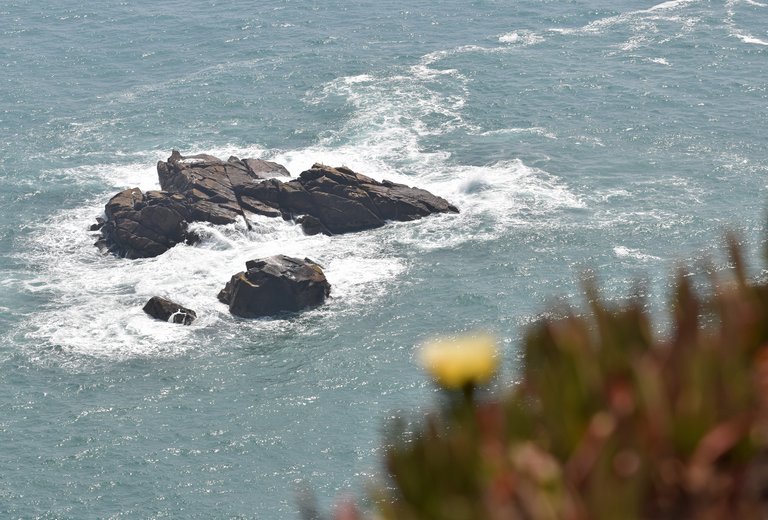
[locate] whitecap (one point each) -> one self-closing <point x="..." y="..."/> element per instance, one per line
<point x="671" y="4"/>
<point x="493" y="199"/>
<point x="626" y="252"/>
<point x="632" y="17"/>
<point x="748" y="38"/>
<point x="536" y="130"/>
<point x="522" y="37"/>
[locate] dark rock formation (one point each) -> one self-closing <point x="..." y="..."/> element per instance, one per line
<point x="98" y="225"/>
<point x="339" y="200"/>
<point x="275" y="284"/>
<point x="199" y="188"/>
<point x="213" y="188"/>
<point x="312" y="226"/>
<point x="144" y="224"/>
<point x="202" y="188"/>
<point x="167" y="310"/>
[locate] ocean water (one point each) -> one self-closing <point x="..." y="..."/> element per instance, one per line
<point x="620" y="136"/>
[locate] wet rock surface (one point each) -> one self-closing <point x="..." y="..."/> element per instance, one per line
<point x="273" y="285"/>
<point x="203" y="188"/>
<point x="167" y="310"/>
<point x="140" y="225"/>
<point x="339" y="200"/>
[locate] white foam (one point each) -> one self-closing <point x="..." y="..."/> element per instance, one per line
<point x="493" y="199"/>
<point x="383" y="140"/>
<point x="605" y="195"/>
<point x="736" y="32"/>
<point x="392" y="114"/>
<point x="140" y="168"/>
<point x="536" y="130"/>
<point x="95" y="301"/>
<point x="626" y="252"/>
<point x="748" y="38"/>
<point x="425" y="69"/>
<point x="117" y="176"/>
<point x="521" y="37"/>
<point x="671" y="4"/>
<point x="658" y="12"/>
<point x="354" y="276"/>
<point x="434" y="57"/>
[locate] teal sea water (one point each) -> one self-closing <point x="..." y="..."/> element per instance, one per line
<point x="619" y="135"/>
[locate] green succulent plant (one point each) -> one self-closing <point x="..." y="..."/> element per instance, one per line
<point x="608" y="421"/>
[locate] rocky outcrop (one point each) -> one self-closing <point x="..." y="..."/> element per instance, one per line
<point x="338" y="200"/>
<point x="199" y="188"/>
<point x="166" y="310"/>
<point x="273" y="285"/>
<point x="202" y="188"/>
<point x="213" y="188"/>
<point x="140" y="225"/>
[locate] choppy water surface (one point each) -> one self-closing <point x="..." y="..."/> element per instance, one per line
<point x="624" y="136"/>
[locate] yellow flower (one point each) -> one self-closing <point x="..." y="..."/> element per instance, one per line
<point x="458" y="362"/>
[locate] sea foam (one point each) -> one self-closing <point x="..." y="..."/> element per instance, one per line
<point x="521" y="37"/>
<point x="392" y="114"/>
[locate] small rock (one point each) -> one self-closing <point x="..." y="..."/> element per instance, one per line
<point x="312" y="226"/>
<point x="166" y="310"/>
<point x="98" y="225"/>
<point x="273" y="285"/>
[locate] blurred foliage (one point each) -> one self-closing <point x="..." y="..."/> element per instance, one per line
<point x="608" y="422"/>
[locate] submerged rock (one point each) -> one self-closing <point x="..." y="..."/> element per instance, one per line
<point x="202" y="188"/>
<point x="166" y="310"/>
<point x="273" y="285"/>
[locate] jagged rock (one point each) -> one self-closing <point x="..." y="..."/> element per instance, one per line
<point x="98" y="225"/>
<point x="342" y="201"/>
<point x="199" y="188"/>
<point x="166" y="310"/>
<point x="265" y="169"/>
<point x="202" y="188"/>
<point x="143" y="225"/>
<point x="209" y="185"/>
<point x="273" y="285"/>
